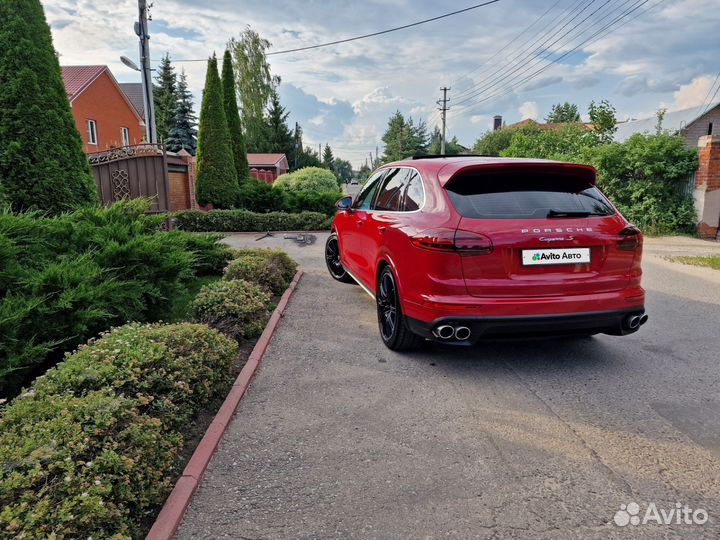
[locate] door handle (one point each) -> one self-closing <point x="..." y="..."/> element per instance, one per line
<point x="381" y="230"/>
<point x="359" y="223"/>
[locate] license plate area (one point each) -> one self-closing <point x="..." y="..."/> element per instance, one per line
<point x="555" y="256"/>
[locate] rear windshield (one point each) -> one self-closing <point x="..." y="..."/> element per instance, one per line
<point x="523" y="195"/>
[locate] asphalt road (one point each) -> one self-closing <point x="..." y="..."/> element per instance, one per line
<point x="340" y="438"/>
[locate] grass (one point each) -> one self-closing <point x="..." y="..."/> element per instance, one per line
<point x="181" y="306"/>
<point x="711" y="262"/>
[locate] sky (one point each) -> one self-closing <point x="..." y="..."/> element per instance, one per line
<point x="495" y="59"/>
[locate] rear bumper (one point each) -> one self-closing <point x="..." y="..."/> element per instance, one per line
<point x="513" y="327"/>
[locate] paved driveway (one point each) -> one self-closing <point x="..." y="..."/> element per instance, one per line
<point x="340" y="438"/>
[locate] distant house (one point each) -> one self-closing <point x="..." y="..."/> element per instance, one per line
<point x="104" y="115"/>
<point x="267" y="167"/>
<point x="690" y="123"/>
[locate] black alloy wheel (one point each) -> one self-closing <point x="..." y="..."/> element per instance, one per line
<point x="332" y="260"/>
<point x="391" y="322"/>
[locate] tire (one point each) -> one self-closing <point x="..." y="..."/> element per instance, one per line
<point x="332" y="260"/>
<point x="392" y="324"/>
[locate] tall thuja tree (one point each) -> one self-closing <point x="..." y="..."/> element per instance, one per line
<point x="279" y="137"/>
<point x="233" y="118"/>
<point x="183" y="134"/>
<point x="165" y="97"/>
<point x="328" y="159"/>
<point x="217" y="182"/>
<point x="42" y="164"/>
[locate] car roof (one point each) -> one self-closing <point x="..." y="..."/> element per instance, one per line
<point x="444" y="168"/>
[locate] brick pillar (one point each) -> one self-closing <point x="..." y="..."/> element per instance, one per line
<point x="707" y="186"/>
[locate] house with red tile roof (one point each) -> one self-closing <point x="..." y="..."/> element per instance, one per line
<point x="267" y="167"/>
<point x="104" y="115"/>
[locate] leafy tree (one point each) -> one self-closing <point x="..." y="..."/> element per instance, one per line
<point x="217" y="181"/>
<point x="602" y="116"/>
<point x="343" y="170"/>
<point x="183" y="133"/>
<point x="328" y="159"/>
<point x="165" y="97"/>
<point x="364" y="171"/>
<point x="452" y="147"/>
<point x="254" y="83"/>
<point x="233" y="118"/>
<point x="279" y="138"/>
<point x="567" y="143"/>
<point x="402" y="138"/>
<point x="563" y="113"/>
<point x="42" y="164"/>
<point x="308" y="157"/>
<point x="644" y="177"/>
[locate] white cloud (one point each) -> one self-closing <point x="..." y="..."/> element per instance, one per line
<point x="529" y="109"/>
<point x="692" y="94"/>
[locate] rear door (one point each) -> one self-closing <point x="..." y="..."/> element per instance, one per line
<point x="552" y="234"/>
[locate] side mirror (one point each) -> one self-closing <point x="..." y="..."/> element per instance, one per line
<point x="344" y="204"/>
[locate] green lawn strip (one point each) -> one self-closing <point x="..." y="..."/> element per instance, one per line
<point x="711" y="262"/>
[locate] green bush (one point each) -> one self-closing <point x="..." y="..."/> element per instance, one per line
<point x="92" y="449"/>
<point x="238" y="308"/>
<point x="243" y="220"/>
<point x="645" y="176"/>
<point x="257" y="270"/>
<point x="64" y="279"/>
<point x="257" y="196"/>
<point x="308" y="179"/>
<point x="277" y="257"/>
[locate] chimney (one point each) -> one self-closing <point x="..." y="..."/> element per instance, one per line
<point x="497" y="122"/>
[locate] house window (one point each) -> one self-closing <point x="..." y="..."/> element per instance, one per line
<point x="125" y="136"/>
<point x="92" y="132"/>
<point x="710" y="128"/>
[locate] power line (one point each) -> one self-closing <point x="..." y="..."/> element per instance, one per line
<point x="527" y="61"/>
<point x="589" y="40"/>
<point x="704" y="107"/>
<point x="364" y="36"/>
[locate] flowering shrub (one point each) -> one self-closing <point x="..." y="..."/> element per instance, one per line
<point x="236" y="307"/>
<point x="91" y="449"/>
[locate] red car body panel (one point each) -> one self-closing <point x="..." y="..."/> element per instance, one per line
<point x="437" y="285"/>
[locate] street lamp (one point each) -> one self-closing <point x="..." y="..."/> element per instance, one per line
<point x="129" y="63"/>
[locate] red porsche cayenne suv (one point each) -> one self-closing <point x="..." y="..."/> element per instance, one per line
<point x="456" y="249"/>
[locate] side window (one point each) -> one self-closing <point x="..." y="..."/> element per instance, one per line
<point x="366" y="196"/>
<point x="391" y="194"/>
<point x="415" y="193"/>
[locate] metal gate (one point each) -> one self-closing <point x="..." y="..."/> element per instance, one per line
<point x="130" y="172"/>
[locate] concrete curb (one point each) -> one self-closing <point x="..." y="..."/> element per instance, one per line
<point x="170" y="517"/>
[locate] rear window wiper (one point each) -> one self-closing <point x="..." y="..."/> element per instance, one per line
<point x="562" y="213"/>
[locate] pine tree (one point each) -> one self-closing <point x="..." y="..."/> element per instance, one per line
<point x="217" y="182"/>
<point x="279" y="137"/>
<point x="233" y="118"/>
<point x="42" y="164"/>
<point x="183" y="134"/>
<point x="402" y="138"/>
<point x="165" y="98"/>
<point x="328" y="159"/>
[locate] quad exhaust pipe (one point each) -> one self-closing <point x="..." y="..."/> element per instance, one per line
<point x="447" y="332"/>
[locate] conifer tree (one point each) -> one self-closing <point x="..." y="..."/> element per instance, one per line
<point x="165" y="98"/>
<point x="42" y="163"/>
<point x="233" y="118"/>
<point x="328" y="158"/>
<point x="279" y="137"/>
<point x="183" y="134"/>
<point x="217" y="182"/>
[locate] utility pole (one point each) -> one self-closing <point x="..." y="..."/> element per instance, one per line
<point x="443" y="111"/>
<point x="141" y="29"/>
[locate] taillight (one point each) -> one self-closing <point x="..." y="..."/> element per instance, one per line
<point x="446" y="240"/>
<point x="630" y="238"/>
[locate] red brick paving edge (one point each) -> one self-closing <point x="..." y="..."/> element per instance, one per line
<point x="171" y="515"/>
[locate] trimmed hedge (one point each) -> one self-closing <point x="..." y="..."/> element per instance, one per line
<point x="64" y="279"/>
<point x="315" y="179"/>
<point x="275" y="258"/>
<point x="238" y="308"/>
<point x="242" y="220"/>
<point x="91" y="450"/>
<point x="259" y="196"/>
